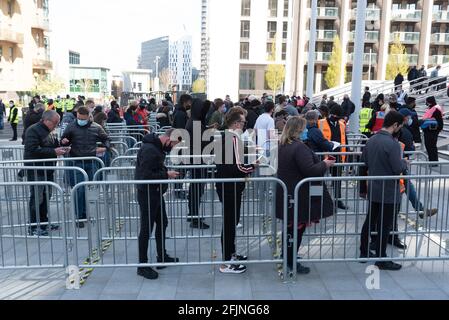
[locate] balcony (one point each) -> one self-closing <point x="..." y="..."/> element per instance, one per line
<point x="406" y="15"/>
<point x="322" y="57"/>
<point x="367" y="58"/>
<point x="326" y="35"/>
<point x="372" y="14"/>
<point x="40" y="20"/>
<point x="327" y="13"/>
<point x="9" y="35"/>
<point x="42" y="60"/>
<point x="406" y="37"/>
<point x="441" y="16"/>
<point x="412" y="59"/>
<point x="438" y="59"/>
<point x="370" y="36"/>
<point x="440" y="38"/>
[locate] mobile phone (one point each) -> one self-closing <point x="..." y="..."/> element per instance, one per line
<point x="331" y="158"/>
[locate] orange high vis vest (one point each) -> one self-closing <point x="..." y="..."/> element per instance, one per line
<point x="323" y="125"/>
<point x="402" y="181"/>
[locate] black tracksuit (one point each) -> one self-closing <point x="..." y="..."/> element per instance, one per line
<point x="230" y="194"/>
<point x="150" y="166"/>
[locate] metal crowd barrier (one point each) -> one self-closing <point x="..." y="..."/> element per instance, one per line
<point x="113" y="218"/>
<point x="11" y="153"/>
<point x="20" y="249"/>
<point x="337" y="238"/>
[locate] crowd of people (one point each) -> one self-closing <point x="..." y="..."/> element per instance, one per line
<point x="301" y="128"/>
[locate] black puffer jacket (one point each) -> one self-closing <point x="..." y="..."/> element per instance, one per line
<point x="114" y="117"/>
<point x="83" y="140"/>
<point x="180" y="118"/>
<point x="40" y="144"/>
<point x="198" y="118"/>
<point x="30" y="119"/>
<point x="151" y="163"/>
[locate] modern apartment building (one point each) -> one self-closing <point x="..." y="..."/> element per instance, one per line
<point x="241" y="34"/>
<point x="175" y="54"/>
<point x="422" y="26"/>
<point x="24" y="45"/>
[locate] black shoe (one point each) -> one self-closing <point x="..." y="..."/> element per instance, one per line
<point x="38" y="232"/>
<point x="199" y="225"/>
<point x="53" y="227"/>
<point x="396" y="242"/>
<point x="13" y="140"/>
<point x="342" y="206"/>
<point x="80" y="225"/>
<point x="300" y="269"/>
<point x="429" y="213"/>
<point x="388" y="265"/>
<point x="190" y="219"/>
<point x="166" y="259"/>
<point x="147" y="273"/>
<point x="367" y="256"/>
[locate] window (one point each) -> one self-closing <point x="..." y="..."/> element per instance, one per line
<point x="11" y="53"/>
<point x="10" y="8"/>
<point x="247" y="80"/>
<point x="272" y="8"/>
<point x="1" y="53"/>
<point x="134" y="85"/>
<point x="140" y="86"/>
<point x="272" y="29"/>
<point x="246" y="8"/>
<point x="270" y="51"/>
<point x="245" y="29"/>
<point x="285" y="30"/>
<point x="284" y="51"/>
<point x="244" y="50"/>
<point x="286" y="3"/>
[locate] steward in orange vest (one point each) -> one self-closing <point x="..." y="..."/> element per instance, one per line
<point x="328" y="128"/>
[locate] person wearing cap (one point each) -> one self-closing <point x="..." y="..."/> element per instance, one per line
<point x="334" y="129"/>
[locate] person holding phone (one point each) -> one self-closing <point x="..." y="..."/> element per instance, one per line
<point x="299" y="162"/>
<point x="150" y="166"/>
<point x="41" y="143"/>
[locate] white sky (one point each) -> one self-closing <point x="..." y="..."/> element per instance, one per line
<point x="109" y="32"/>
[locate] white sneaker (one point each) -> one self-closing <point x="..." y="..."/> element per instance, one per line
<point x="233" y="269"/>
<point x="240" y="226"/>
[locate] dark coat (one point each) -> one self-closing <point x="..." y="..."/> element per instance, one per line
<point x="31" y="118"/>
<point x="348" y="107"/>
<point x="317" y="142"/>
<point x="40" y="144"/>
<point x="151" y="164"/>
<point x="251" y="118"/>
<point x="298" y="162"/>
<point x="398" y="80"/>
<point x="84" y="140"/>
<point x="406" y="137"/>
<point x="180" y="118"/>
<point x="114" y="117"/>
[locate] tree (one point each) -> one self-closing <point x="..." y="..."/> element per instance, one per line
<point x="333" y="74"/>
<point x="165" y="79"/>
<point x="397" y="60"/>
<point x="275" y="75"/>
<point x="47" y="86"/>
<point x="87" y="86"/>
<point x="199" y="86"/>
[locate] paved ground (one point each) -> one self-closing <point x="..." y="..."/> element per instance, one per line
<point x="327" y="281"/>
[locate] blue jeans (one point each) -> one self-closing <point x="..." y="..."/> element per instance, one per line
<point x="76" y="177"/>
<point x="412" y="197"/>
<point x="2" y="124"/>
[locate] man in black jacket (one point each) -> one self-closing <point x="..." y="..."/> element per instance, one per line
<point x="33" y="116"/>
<point x="414" y="128"/>
<point x="42" y="143"/>
<point x="84" y="137"/>
<point x="348" y="106"/>
<point x="150" y="166"/>
<point x="196" y="191"/>
<point x="114" y="114"/>
<point x="180" y="116"/>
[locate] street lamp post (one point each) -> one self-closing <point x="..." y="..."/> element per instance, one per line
<point x="156" y="78"/>
<point x="312" y="46"/>
<point x="357" y="69"/>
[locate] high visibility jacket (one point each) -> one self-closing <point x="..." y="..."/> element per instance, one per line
<point x="69" y="105"/>
<point x="402" y="181"/>
<point x="380" y="118"/>
<point x="13" y="119"/>
<point x="365" y="116"/>
<point x="59" y="105"/>
<point x="323" y="125"/>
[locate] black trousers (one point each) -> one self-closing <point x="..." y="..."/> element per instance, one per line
<point x="380" y="217"/>
<point x="196" y="191"/>
<point x="39" y="198"/>
<point x="336" y="172"/>
<point x="230" y="195"/>
<point x="14" y="131"/>
<point x="152" y="211"/>
<point x="291" y="247"/>
<point x="431" y="140"/>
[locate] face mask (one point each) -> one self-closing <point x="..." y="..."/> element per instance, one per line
<point x="167" y="148"/>
<point x="11" y="105"/>
<point x="304" y="135"/>
<point x="410" y="122"/>
<point x="82" y="123"/>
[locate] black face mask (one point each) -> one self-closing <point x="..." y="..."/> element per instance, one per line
<point x="167" y="148"/>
